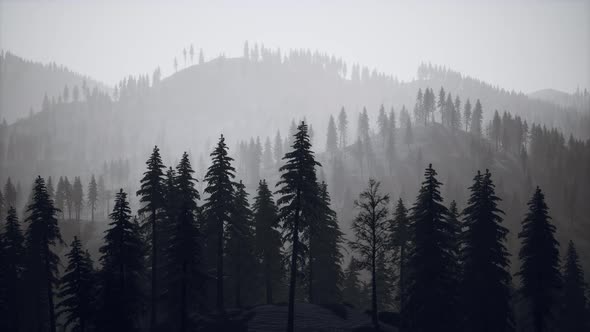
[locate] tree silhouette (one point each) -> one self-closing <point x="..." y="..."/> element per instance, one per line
<point x="342" y="128"/>
<point x="92" y="196"/>
<point x="12" y="254"/>
<point x="476" y="119"/>
<point x="120" y="296"/>
<point x="431" y="286"/>
<point x="370" y="228"/>
<point x="298" y="190"/>
<point x="10" y="194"/>
<point x="573" y="314"/>
<point x="41" y="262"/>
<point x="268" y="241"/>
<point x="485" y="261"/>
<point x="241" y="257"/>
<point x="185" y="275"/>
<point x="332" y="137"/>
<point x="400" y="243"/>
<point x="217" y="209"/>
<point x="539" y="256"/>
<point x="325" y="239"/>
<point x="77" y="198"/>
<point x="151" y="195"/>
<point x="77" y="289"/>
<point x="467" y="115"/>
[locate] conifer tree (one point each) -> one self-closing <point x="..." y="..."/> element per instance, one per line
<point x="60" y="196"/>
<point x="539" y="256"/>
<point x="351" y="284"/>
<point x="268" y="241"/>
<point x="342" y="128"/>
<point x="92" y="196"/>
<point x="485" y="261"/>
<point x="10" y="193"/>
<point x="12" y="252"/>
<point x="431" y="286"/>
<point x="371" y="232"/>
<point x="400" y="243"/>
<point x="50" y="189"/>
<point x="332" y="139"/>
<point x="152" y="198"/>
<point x="278" y="147"/>
<point x="3" y="207"/>
<point x="217" y="209"/>
<point x="383" y="125"/>
<point x="573" y="314"/>
<point x="241" y="257"/>
<point x="298" y="190"/>
<point x="121" y="277"/>
<point x="409" y="135"/>
<point x="41" y="261"/>
<point x="363" y="125"/>
<point x="441" y="103"/>
<point x="77" y="289"/>
<point x="68" y="197"/>
<point x="467" y="115"/>
<point x="185" y="275"/>
<point x="77" y="197"/>
<point x="476" y="119"/>
<point x="325" y="239"/>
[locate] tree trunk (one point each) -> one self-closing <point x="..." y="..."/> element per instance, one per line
<point x="154" y="305"/>
<point x="220" y="305"/>
<point x="374" y="278"/>
<point x="292" y="281"/>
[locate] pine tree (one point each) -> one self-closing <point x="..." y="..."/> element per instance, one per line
<point x="185" y="275"/>
<point x="50" y="189"/>
<point x="12" y="256"/>
<point x="573" y="314"/>
<point x="485" y="261"/>
<point x="363" y="125"/>
<point x="268" y="241"/>
<point x="342" y="128"/>
<point x="467" y="115"/>
<point x="77" y="289"/>
<point x="324" y="244"/>
<point x="371" y="233"/>
<point x="441" y="103"/>
<point x="332" y="139"/>
<point x="298" y="190"/>
<point x="351" y="284"/>
<point x="476" y="119"/>
<point x="409" y="135"/>
<point x="539" y="256"/>
<point x="383" y="125"/>
<point x="431" y="286"/>
<point x="60" y="196"/>
<point x="41" y="262"/>
<point x="77" y="198"/>
<point x="10" y="194"/>
<point x="400" y="243"/>
<point x="278" y="148"/>
<point x="218" y="206"/>
<point x="92" y="196"/>
<point x="120" y="296"/>
<point x="68" y="197"/>
<point x="240" y="256"/>
<point x="152" y="199"/>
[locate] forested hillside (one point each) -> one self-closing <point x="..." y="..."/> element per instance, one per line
<point x="28" y="87"/>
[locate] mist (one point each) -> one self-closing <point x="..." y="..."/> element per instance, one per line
<point x="267" y="167"/>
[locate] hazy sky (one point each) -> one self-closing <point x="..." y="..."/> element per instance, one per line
<point x="524" y="46"/>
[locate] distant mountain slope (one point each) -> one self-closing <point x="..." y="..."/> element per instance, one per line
<point x="24" y="83"/>
<point x="579" y="100"/>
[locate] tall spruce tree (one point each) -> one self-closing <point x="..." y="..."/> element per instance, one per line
<point x="573" y="314"/>
<point x="10" y="193"/>
<point x="342" y="128"/>
<point x="485" y="284"/>
<point x="121" y="277"/>
<point x="152" y="199"/>
<point x="324" y="244"/>
<point x="77" y="289"/>
<point x="332" y="137"/>
<point x="41" y="261"/>
<point x="351" y="284"/>
<point x="400" y="243"/>
<point x="218" y="209"/>
<point x="92" y="196"/>
<point x="77" y="198"/>
<point x="370" y="228"/>
<point x="476" y="119"/>
<point x="432" y="285"/>
<point x="185" y="275"/>
<point x="298" y="201"/>
<point x="240" y="251"/>
<point x="12" y="252"/>
<point x="268" y="241"/>
<point x="539" y="271"/>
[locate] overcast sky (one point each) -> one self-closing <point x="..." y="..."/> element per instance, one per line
<point x="524" y="46"/>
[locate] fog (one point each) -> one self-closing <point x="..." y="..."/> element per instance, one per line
<point x="192" y="166"/>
